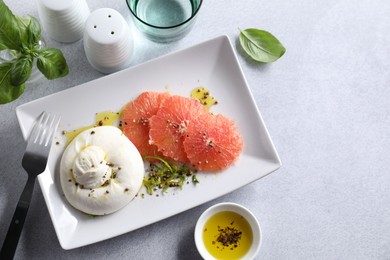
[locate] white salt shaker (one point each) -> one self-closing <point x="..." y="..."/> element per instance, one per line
<point x="63" y="20"/>
<point x="108" y="42"/>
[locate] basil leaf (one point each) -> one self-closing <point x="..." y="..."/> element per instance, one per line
<point x="9" y="29"/>
<point x="30" y="30"/>
<point x="21" y="70"/>
<point x="23" y="22"/>
<point x="33" y="32"/>
<point x="2" y="46"/>
<point x="261" y="45"/>
<point x="51" y="62"/>
<point x="8" y="92"/>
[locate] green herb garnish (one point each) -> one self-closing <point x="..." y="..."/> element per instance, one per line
<point x="21" y="37"/>
<point x="194" y="179"/>
<point x="164" y="175"/>
<point x="261" y="45"/>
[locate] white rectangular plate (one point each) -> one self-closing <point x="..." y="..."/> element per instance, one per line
<point x="212" y="64"/>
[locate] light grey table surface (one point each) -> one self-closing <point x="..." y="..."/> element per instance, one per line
<point x="326" y="104"/>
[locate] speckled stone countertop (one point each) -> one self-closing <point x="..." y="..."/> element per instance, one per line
<point x="325" y="104"/>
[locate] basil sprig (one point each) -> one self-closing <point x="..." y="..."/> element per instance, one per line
<point x="21" y="36"/>
<point x="8" y="92"/>
<point x="261" y="45"/>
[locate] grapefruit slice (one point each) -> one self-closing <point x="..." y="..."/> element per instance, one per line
<point x="136" y="117"/>
<point x="169" y="126"/>
<point x="214" y="146"/>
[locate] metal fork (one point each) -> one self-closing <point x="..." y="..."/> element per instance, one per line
<point x="34" y="162"/>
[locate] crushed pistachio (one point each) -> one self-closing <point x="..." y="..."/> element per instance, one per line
<point x="164" y="175"/>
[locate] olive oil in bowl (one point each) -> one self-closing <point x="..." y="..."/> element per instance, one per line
<point x="227" y="235"/>
<point x="227" y="231"/>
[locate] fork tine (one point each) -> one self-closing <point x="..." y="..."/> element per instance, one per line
<point x="44" y="129"/>
<point x="36" y="128"/>
<point x="52" y="129"/>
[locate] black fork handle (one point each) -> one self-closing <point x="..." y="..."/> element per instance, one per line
<point x="16" y="226"/>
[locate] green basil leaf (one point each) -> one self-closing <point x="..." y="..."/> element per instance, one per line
<point x="33" y="32"/>
<point x="30" y="30"/>
<point x="9" y="29"/>
<point x="261" y="45"/>
<point x="51" y="62"/>
<point x="2" y="46"/>
<point x="8" y="92"/>
<point x="23" y="22"/>
<point x="21" y="70"/>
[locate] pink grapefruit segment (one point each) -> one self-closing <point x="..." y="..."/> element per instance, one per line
<point x="214" y="146"/>
<point x="169" y="126"/>
<point x="136" y="120"/>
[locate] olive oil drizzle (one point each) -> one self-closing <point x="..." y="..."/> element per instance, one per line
<point x="103" y="118"/>
<point x="204" y="96"/>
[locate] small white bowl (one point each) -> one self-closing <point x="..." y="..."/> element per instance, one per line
<point x="228" y="206"/>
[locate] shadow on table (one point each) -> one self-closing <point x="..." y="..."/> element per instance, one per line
<point x="38" y="231"/>
<point x="12" y="175"/>
<point x="187" y="247"/>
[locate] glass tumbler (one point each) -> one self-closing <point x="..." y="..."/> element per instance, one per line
<point x="164" y="21"/>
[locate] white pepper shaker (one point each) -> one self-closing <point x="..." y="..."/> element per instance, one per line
<point x="108" y="42"/>
<point x="63" y="20"/>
